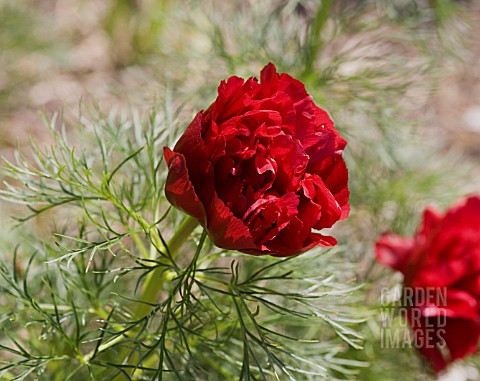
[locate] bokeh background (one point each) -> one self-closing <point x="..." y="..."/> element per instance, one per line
<point x="400" y="78"/>
<point x="124" y="52"/>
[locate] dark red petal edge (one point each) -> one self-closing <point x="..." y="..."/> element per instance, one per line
<point x="179" y="189"/>
<point x="226" y="230"/>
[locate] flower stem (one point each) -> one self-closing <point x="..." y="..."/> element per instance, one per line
<point x="154" y="281"/>
<point x="153" y="284"/>
<point x="314" y="39"/>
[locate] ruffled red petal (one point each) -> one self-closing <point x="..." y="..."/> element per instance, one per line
<point x="394" y="251"/>
<point x="179" y="189"/>
<point x="226" y="230"/>
<point x="245" y="160"/>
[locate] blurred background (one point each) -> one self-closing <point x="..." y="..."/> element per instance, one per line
<point x="124" y="52"/>
<point x="400" y="78"/>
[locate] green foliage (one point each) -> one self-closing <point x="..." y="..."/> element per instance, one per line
<point x="98" y="231"/>
<point x="220" y="314"/>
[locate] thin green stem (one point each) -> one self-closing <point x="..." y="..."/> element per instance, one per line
<point x="140" y="245"/>
<point x="153" y="284"/>
<point x="86" y="359"/>
<point x="314" y="40"/>
<point x="154" y="281"/>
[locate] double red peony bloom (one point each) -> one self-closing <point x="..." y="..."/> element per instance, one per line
<point x="443" y="255"/>
<point x="261" y="168"/>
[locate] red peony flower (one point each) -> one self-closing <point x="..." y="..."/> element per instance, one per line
<point x="261" y="168"/>
<point x="443" y="255"/>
